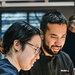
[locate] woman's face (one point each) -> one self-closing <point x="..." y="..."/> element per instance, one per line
<point x="28" y="57"/>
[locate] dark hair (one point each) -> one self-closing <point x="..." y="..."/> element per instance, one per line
<point x="53" y="17"/>
<point x="71" y="20"/>
<point x="21" y="31"/>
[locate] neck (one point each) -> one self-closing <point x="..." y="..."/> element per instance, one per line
<point x="47" y="54"/>
<point x="14" y="62"/>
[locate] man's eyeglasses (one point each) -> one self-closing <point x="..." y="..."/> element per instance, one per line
<point x="36" y="50"/>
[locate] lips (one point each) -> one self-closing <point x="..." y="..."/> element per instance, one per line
<point x="33" y="62"/>
<point x="55" y="48"/>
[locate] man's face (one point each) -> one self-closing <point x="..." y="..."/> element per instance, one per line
<point x="54" y="38"/>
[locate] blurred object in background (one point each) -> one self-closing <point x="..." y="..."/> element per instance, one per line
<point x="69" y="46"/>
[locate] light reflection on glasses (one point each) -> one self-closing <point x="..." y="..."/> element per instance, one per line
<point x="37" y="51"/>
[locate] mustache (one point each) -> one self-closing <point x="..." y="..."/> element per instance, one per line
<point x="56" y="46"/>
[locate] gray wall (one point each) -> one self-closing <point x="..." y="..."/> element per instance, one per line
<point x="66" y="10"/>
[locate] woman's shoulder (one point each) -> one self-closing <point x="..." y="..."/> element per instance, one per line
<point x="6" y="68"/>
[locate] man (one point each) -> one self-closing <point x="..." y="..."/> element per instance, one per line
<point x="52" y="60"/>
<point x="69" y="46"/>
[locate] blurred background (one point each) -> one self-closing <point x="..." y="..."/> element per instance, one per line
<point x="30" y="11"/>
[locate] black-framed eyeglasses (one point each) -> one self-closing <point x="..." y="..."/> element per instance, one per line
<point x="36" y="50"/>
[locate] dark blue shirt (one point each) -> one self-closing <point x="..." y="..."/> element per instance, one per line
<point x="6" y="68"/>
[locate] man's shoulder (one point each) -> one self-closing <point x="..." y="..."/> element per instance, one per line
<point x="63" y="55"/>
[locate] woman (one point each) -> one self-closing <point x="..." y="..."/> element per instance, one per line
<point x="21" y="46"/>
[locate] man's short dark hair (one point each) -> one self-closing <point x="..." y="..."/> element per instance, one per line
<point x="53" y="17"/>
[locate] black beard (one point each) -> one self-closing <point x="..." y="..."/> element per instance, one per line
<point x="47" y="49"/>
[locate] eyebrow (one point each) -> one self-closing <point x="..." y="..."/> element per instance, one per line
<point x="56" y="35"/>
<point x="53" y="34"/>
<point x="32" y="45"/>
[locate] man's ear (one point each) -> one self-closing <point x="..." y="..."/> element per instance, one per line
<point x="42" y="36"/>
<point x="16" y="45"/>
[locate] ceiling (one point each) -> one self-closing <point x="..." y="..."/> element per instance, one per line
<point x="31" y="3"/>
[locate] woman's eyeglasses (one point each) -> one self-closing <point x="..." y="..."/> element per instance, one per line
<point x="36" y="50"/>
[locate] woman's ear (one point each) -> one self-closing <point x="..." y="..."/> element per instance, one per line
<point x="42" y="36"/>
<point x="16" y="45"/>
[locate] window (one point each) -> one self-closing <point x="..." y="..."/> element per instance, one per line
<point x="8" y="18"/>
<point x="35" y="18"/>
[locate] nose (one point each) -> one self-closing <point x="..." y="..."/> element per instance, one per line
<point x="37" y="56"/>
<point x="58" y="41"/>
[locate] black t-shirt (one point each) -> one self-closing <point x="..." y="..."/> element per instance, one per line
<point x="6" y="68"/>
<point x="69" y="46"/>
<point x="60" y="64"/>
